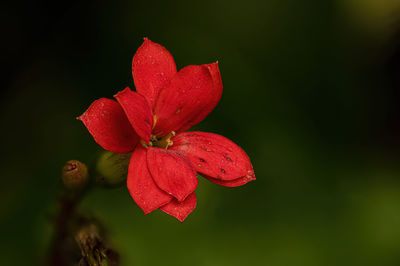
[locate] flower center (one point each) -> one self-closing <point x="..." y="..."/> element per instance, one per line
<point x="160" y="142"/>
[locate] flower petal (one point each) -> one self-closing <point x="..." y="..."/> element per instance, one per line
<point x="152" y="68"/>
<point x="213" y="155"/>
<point x="172" y="172"/>
<point x="138" y="112"/>
<point x="231" y="183"/>
<point x="109" y="126"/>
<point x="213" y="101"/>
<point x="216" y="75"/>
<point x="180" y="210"/>
<point x="190" y="96"/>
<point x="141" y="185"/>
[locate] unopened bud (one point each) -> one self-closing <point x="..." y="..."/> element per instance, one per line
<point x="112" y="168"/>
<point x="74" y="174"/>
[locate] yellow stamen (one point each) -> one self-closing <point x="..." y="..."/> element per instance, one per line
<point x="144" y="143"/>
<point x="154" y="120"/>
<point x="164" y="142"/>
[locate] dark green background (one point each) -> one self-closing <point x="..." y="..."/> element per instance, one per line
<point x="311" y="92"/>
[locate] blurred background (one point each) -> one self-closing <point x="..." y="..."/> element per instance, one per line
<point x="311" y="92"/>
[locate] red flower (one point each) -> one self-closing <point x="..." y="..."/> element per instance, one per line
<point x="163" y="169"/>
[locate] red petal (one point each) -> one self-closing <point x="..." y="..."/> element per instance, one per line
<point x="172" y="172"/>
<point x="152" y="68"/>
<point x="217" y="93"/>
<point x="216" y="75"/>
<point x="232" y="183"/>
<point x="109" y="126"/>
<point x="187" y="99"/>
<point x="180" y="210"/>
<point x="138" y="112"/>
<point x="141" y="186"/>
<point x="213" y="155"/>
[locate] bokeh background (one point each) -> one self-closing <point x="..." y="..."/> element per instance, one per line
<point x="311" y="92"/>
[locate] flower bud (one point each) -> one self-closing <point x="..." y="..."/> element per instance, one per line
<point x="112" y="168"/>
<point x="74" y="174"/>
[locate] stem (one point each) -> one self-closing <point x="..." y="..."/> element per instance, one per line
<point x="62" y="246"/>
<point x="78" y="238"/>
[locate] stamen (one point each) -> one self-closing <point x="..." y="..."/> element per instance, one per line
<point x="164" y="142"/>
<point x="144" y="143"/>
<point x="154" y="120"/>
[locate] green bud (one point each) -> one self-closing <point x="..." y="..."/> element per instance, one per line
<point x="74" y="174"/>
<point x="112" y="168"/>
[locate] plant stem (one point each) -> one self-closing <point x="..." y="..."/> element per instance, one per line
<point x="62" y="244"/>
<point x="78" y="238"/>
